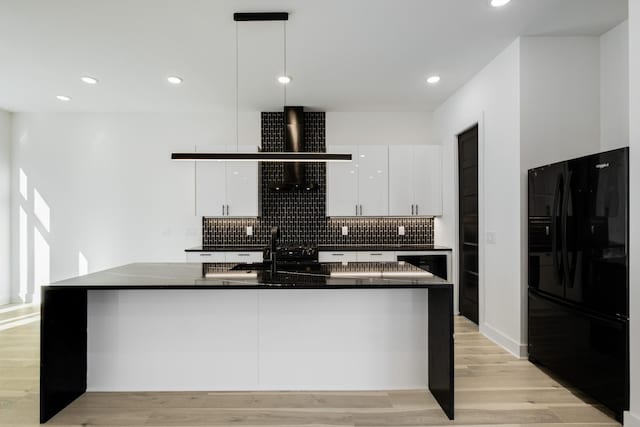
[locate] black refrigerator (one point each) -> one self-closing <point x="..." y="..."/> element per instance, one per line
<point x="578" y="238"/>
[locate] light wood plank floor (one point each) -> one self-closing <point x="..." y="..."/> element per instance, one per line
<point x="492" y="388"/>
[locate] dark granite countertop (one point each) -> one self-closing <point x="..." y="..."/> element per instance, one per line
<point x="346" y="248"/>
<point x="367" y="248"/>
<point x="359" y="275"/>
<point x="226" y="248"/>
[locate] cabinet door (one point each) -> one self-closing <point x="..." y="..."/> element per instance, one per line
<point x="337" y="256"/>
<point x="205" y="257"/>
<point x="243" y="257"/>
<point x="242" y="186"/>
<point x="210" y="184"/>
<point x="427" y="179"/>
<point x="376" y="256"/>
<point x="373" y="180"/>
<point x="401" y="180"/>
<point x="342" y="183"/>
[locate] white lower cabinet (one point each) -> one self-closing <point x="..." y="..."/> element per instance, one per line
<point x="355" y="256"/>
<point x="205" y="256"/>
<point x="246" y="257"/>
<point x="337" y="256"/>
<point x="384" y="256"/>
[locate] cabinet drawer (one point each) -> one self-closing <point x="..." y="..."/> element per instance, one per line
<point x="205" y="256"/>
<point x="376" y="256"/>
<point x="246" y="257"/>
<point x="337" y="256"/>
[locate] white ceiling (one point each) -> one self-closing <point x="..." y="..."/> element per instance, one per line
<point x="343" y="55"/>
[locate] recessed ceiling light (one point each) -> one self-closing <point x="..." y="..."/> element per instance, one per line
<point x="63" y="98"/>
<point x="498" y="3"/>
<point x="89" y="80"/>
<point x="433" y="80"/>
<point x="174" y="80"/>
<point x="284" y="80"/>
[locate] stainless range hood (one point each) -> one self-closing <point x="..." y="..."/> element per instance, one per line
<point x="293" y="173"/>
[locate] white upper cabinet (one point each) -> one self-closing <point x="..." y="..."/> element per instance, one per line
<point x="415" y="180"/>
<point x="401" y="180"/>
<point x="342" y="183"/>
<point x="427" y="180"/>
<point x="242" y="188"/>
<point x="210" y="183"/>
<point x="358" y="188"/>
<point x="373" y="180"/>
<point x="227" y="188"/>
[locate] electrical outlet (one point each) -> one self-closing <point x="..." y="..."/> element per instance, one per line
<point x="249" y="230"/>
<point x="401" y="230"/>
<point x="491" y="237"/>
<point x="345" y="230"/>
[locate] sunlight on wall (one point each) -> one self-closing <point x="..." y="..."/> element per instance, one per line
<point x="41" y="261"/>
<point x="83" y="264"/>
<point x="24" y="185"/>
<point x="34" y="251"/>
<point x="41" y="209"/>
<point x="23" y="256"/>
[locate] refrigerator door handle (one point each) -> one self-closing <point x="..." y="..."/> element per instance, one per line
<point x="565" y="243"/>
<point x="557" y="198"/>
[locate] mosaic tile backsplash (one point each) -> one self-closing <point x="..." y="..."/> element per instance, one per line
<point x="301" y="216"/>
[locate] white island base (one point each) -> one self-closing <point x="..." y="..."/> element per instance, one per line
<point x="209" y="340"/>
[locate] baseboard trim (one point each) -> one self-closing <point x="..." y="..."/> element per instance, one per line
<point x="517" y="349"/>
<point x="631" y="420"/>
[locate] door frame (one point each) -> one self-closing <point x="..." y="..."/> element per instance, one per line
<point x="479" y="121"/>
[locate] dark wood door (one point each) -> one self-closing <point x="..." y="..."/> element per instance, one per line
<point x="468" y="213"/>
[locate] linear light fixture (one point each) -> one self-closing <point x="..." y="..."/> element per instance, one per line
<point x="297" y="157"/>
<point x="300" y="157"/>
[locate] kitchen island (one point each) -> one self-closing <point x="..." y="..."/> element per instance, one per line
<point x="229" y="326"/>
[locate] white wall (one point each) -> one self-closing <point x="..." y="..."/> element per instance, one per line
<point x="492" y="99"/>
<point x="112" y="193"/>
<point x="614" y="88"/>
<point x="5" y="206"/>
<point x="560" y="113"/>
<point x="632" y="419"/>
<point x="379" y="128"/>
<point x="560" y="98"/>
<point x="538" y="102"/>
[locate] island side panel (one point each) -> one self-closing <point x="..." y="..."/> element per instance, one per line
<point x="441" y="378"/>
<point x="63" y="349"/>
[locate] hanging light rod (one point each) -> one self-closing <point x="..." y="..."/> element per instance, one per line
<point x="261" y="16"/>
<point x="299" y="157"/>
<point x="288" y="156"/>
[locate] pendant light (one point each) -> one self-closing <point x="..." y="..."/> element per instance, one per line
<point x="301" y="157"/>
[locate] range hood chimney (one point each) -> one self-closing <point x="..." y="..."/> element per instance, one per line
<point x="294" y="172"/>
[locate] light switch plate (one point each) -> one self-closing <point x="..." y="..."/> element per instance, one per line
<point x="249" y="230"/>
<point x="401" y="230"/>
<point x="345" y="230"/>
<point x="491" y="237"/>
